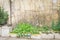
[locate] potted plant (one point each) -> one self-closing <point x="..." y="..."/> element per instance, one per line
<point x="25" y="30"/>
<point x="56" y="29"/>
<point x="3" y="22"/>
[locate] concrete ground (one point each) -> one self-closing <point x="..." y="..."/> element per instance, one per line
<point x="9" y="38"/>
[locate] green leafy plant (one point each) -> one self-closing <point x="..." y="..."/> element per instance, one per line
<point x="44" y="29"/>
<point x="3" y="16"/>
<point x="56" y="27"/>
<point x="25" y="28"/>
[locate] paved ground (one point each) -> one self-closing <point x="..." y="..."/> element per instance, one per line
<point x="9" y="38"/>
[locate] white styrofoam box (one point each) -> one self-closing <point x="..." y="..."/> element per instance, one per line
<point x="5" y="30"/>
<point x="36" y="36"/>
<point x="10" y="29"/>
<point x="57" y="36"/>
<point x="47" y="36"/>
<point x="0" y="30"/>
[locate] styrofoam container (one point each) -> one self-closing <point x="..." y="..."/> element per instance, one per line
<point x="5" y="30"/>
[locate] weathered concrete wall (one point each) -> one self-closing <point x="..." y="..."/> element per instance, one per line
<point x="35" y="11"/>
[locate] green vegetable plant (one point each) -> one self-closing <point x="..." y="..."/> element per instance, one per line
<point x="56" y="27"/>
<point x="25" y="28"/>
<point x="3" y="16"/>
